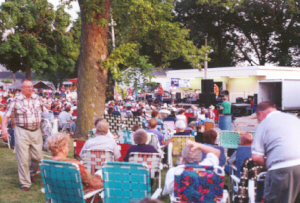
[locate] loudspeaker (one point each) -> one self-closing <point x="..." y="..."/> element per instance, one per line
<point x="167" y="100"/>
<point x="207" y="99"/>
<point x="207" y="86"/>
<point x="178" y="97"/>
<point x="239" y="100"/>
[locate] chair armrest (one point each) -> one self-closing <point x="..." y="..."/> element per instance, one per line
<point x="235" y="179"/>
<point x="43" y="190"/>
<point x="251" y="192"/>
<point x="90" y="194"/>
<point x="156" y="194"/>
<point x="233" y="167"/>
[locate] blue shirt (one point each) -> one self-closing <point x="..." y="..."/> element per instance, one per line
<point x="160" y="136"/>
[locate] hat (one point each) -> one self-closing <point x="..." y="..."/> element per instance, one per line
<point x="211" y="107"/>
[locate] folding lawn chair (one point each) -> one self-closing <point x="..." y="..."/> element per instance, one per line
<point x="78" y="145"/>
<point x="125" y="182"/>
<point x="129" y="122"/>
<point x="93" y="159"/>
<point x="152" y="160"/>
<point x="179" y="142"/>
<point x="208" y="125"/>
<point x="62" y="182"/>
<point x="114" y="122"/>
<point x="230" y="139"/>
<point x="196" y="183"/>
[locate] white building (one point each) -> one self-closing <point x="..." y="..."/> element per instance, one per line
<point x="239" y="81"/>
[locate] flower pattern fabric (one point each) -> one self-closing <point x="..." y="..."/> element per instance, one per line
<point x="198" y="184"/>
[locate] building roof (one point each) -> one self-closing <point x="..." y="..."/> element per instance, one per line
<point x="271" y="72"/>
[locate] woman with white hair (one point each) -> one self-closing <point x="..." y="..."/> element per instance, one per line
<point x="58" y="144"/>
<point x="191" y="154"/>
<point x="180" y="127"/>
<point x="140" y="138"/>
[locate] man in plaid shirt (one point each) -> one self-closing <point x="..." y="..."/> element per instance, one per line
<point x="28" y="110"/>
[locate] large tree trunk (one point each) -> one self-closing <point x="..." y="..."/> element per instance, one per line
<point x="28" y="73"/>
<point x="92" y="79"/>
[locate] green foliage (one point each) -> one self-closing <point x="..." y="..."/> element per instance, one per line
<point x="7" y="81"/>
<point x="204" y="19"/>
<point x="150" y="25"/>
<point x="37" y="39"/>
<point x="259" y="32"/>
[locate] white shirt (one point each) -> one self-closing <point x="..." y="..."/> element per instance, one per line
<point x="173" y="90"/>
<point x="210" y="160"/>
<point x="102" y="142"/>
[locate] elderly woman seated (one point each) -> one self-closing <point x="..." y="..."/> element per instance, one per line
<point x="140" y="138"/>
<point x="58" y="144"/>
<point x="191" y="153"/>
<point x="180" y="127"/>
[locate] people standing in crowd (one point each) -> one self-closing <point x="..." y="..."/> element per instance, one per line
<point x="28" y="108"/>
<point x="160" y="92"/>
<point x="181" y="116"/>
<point x="226" y="106"/>
<point x="173" y="93"/>
<point x="63" y="90"/>
<point x="276" y="147"/>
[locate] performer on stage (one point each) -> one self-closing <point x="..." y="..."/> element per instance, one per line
<point x="160" y="92"/>
<point x="173" y="93"/>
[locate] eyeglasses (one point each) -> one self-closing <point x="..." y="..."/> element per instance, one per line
<point x="27" y="87"/>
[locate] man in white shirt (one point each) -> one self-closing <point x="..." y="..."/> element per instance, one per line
<point x="276" y="146"/>
<point x="191" y="153"/>
<point x="173" y="93"/>
<point x="102" y="141"/>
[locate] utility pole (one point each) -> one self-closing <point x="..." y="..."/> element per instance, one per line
<point x="205" y="60"/>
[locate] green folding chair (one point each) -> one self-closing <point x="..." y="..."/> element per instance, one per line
<point x="62" y="182"/>
<point x="230" y="139"/>
<point x="125" y="182"/>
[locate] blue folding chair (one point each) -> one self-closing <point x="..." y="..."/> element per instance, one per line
<point x="229" y="139"/>
<point x="62" y="182"/>
<point x="222" y="158"/>
<point x="125" y="182"/>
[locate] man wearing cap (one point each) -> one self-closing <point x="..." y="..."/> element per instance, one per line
<point x="27" y="108"/>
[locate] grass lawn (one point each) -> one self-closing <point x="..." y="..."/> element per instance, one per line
<point x="10" y="191"/>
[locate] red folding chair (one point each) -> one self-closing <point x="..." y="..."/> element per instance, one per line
<point x="124" y="149"/>
<point x="78" y="145"/>
<point x="188" y="115"/>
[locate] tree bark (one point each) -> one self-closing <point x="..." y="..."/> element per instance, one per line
<point x="28" y="73"/>
<point x="92" y="79"/>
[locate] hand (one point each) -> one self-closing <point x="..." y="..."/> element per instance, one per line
<point x="194" y="145"/>
<point x="4" y="135"/>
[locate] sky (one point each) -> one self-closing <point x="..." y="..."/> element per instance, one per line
<point x="73" y="11"/>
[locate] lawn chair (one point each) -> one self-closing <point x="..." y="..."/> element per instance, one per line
<point x="78" y="145"/>
<point x="199" y="184"/>
<point x="123" y="150"/>
<point x="62" y="182"/>
<point x="91" y="134"/>
<point x="155" y="143"/>
<point x="188" y="115"/>
<point x="93" y="159"/>
<point x="252" y="133"/>
<point x="125" y="182"/>
<point x="171" y="125"/>
<point x="222" y="158"/>
<point x="208" y="125"/>
<point x="114" y="122"/>
<point x="152" y="160"/>
<point x="178" y="143"/>
<point x="230" y="139"/>
<point x="129" y="122"/>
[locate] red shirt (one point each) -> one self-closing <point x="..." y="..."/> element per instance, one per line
<point x="251" y="104"/>
<point x="160" y="91"/>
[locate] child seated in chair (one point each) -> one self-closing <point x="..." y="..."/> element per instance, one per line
<point x="191" y="154"/>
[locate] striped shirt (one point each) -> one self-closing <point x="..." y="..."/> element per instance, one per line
<point x="28" y="111"/>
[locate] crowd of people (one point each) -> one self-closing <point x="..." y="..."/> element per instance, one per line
<point x="274" y="147"/>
